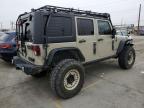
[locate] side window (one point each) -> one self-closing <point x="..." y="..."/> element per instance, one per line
<point x="59" y="27"/>
<point x="104" y="28"/>
<point x="85" y="26"/>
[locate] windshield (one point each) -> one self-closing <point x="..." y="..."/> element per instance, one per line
<point x="6" y="37"/>
<point x="122" y="32"/>
<point x="1" y="33"/>
<point x="118" y="33"/>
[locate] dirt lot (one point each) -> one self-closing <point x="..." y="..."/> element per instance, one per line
<point x="106" y="86"/>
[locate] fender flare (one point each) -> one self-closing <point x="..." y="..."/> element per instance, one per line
<point x="124" y="43"/>
<point x="52" y="53"/>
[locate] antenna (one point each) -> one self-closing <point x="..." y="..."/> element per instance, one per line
<point x="1" y="25"/>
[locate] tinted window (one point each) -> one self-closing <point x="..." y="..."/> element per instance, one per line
<point x="28" y="35"/>
<point x="24" y="29"/>
<point x="59" y="26"/>
<point x="85" y="26"/>
<point x="104" y="28"/>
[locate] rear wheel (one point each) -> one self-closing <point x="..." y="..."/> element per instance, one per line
<point x="67" y="78"/>
<point x="127" y="57"/>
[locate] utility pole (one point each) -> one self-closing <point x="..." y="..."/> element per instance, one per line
<point x="12" y="24"/>
<point x="139" y="19"/>
<point x="1" y="26"/>
<point x="121" y="22"/>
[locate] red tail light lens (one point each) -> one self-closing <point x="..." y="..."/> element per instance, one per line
<point x="36" y="50"/>
<point x="5" y="46"/>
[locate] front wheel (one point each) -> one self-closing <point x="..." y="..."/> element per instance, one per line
<point x="67" y="78"/>
<point x="126" y="58"/>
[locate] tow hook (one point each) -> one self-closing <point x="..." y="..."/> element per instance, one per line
<point x="17" y="68"/>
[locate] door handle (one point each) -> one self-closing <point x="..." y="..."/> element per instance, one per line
<point x="100" y="39"/>
<point x="82" y="41"/>
<point x="94" y="48"/>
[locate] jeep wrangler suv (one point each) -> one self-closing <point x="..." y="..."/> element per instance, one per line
<point x="61" y="40"/>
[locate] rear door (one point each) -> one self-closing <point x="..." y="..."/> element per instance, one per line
<point x="86" y="40"/>
<point x="105" y="44"/>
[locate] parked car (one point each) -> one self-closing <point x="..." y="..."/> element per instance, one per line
<point x="123" y="33"/>
<point x="1" y="33"/>
<point x="141" y="32"/>
<point x="7" y="46"/>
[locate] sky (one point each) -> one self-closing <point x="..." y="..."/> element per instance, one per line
<point x="122" y="11"/>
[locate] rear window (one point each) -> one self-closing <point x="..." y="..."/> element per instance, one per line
<point x="27" y="32"/>
<point x="85" y="26"/>
<point x="24" y="29"/>
<point x="59" y="26"/>
<point x="6" y="37"/>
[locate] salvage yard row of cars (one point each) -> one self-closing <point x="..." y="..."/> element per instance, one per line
<point x="61" y="41"/>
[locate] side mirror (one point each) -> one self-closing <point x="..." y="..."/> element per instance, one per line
<point x="113" y="33"/>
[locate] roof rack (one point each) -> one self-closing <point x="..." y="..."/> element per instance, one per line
<point x="71" y="10"/>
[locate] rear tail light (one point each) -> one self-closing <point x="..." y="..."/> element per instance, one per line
<point x="36" y="50"/>
<point x="5" y="46"/>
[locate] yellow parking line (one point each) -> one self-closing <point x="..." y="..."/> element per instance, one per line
<point x="57" y="103"/>
<point x="89" y="86"/>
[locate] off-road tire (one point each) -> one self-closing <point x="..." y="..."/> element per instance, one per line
<point x="123" y="57"/>
<point x="58" y="75"/>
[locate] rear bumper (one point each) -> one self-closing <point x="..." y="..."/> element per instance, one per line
<point x="8" y="55"/>
<point x="26" y="67"/>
